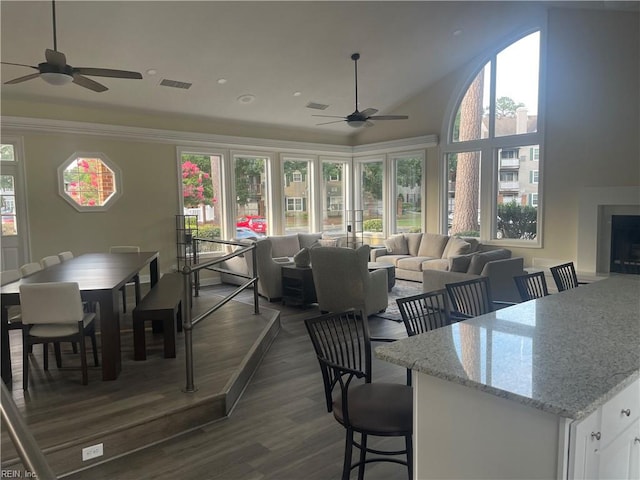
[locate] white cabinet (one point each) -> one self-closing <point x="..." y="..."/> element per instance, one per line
<point x="606" y="444"/>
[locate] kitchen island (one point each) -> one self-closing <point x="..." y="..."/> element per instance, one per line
<point x="544" y="389"/>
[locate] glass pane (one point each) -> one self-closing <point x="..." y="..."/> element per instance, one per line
<point x="8" y="205"/>
<point x="517" y="202"/>
<point x="409" y="194"/>
<point x="463" y="190"/>
<point x="89" y="182"/>
<point x="201" y="194"/>
<point x="371" y="199"/>
<point x="296" y="196"/>
<point x="471" y="121"/>
<point x="7" y="153"/>
<point x="251" y="196"/>
<point x="333" y="197"/>
<point x="517" y="87"/>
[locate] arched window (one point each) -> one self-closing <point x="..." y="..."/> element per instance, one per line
<point x="492" y="156"/>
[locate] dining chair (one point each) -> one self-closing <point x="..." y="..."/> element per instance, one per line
<point x="52" y="312"/>
<point x="50" y="261"/>
<point x="343" y="348"/>
<point x="472" y="298"/>
<point x="425" y="312"/>
<point x="531" y="285"/>
<point x="14" y="314"/>
<point x="565" y="276"/>
<point x="30" y="268"/>
<point x="136" y="279"/>
<point x="64" y="256"/>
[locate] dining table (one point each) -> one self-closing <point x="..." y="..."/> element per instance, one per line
<point x="100" y="276"/>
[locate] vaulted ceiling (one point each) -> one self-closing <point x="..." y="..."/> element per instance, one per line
<point x="260" y="62"/>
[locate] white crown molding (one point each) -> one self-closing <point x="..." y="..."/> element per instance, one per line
<point x="17" y="125"/>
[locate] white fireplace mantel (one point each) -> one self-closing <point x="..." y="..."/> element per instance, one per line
<point x="597" y="204"/>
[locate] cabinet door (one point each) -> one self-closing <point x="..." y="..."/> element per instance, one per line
<point x="583" y="461"/>
<point x="620" y="459"/>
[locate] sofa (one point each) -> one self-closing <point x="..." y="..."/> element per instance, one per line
<point x="272" y="253"/>
<point x="436" y="260"/>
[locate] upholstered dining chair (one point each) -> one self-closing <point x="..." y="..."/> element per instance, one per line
<point x="531" y="285"/>
<point x="472" y="298"/>
<point x="50" y="261"/>
<point x="52" y="312"/>
<point x="343" y="347"/>
<point x="342" y="280"/>
<point x="30" y="268"/>
<point x="136" y="279"/>
<point x="64" y="256"/>
<point x="565" y="276"/>
<point x="14" y="315"/>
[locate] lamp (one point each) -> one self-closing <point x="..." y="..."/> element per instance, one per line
<point x="54" y="78"/>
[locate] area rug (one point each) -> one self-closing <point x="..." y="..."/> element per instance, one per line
<point x="402" y="288"/>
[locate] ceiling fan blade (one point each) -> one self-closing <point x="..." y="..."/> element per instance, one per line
<point x="328" y="116"/>
<point x="107" y="72"/>
<point x="327" y="123"/>
<point x="369" y="111"/>
<point x="368" y="124"/>
<point x="88" y="83"/>
<point x="19" y="65"/>
<point x="22" y="79"/>
<point x="390" y="117"/>
<point x="55" y="58"/>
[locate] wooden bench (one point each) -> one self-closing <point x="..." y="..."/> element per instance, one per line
<point x="162" y="304"/>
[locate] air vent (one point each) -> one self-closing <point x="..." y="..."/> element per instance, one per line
<point x="317" y="106"/>
<point x="175" y="84"/>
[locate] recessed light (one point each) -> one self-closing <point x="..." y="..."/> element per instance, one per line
<point x="152" y="71"/>
<point x="246" y="98"/>
<point x="222" y="81"/>
<point x="297" y="94"/>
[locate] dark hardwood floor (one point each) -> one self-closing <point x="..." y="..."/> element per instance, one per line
<point x="278" y="429"/>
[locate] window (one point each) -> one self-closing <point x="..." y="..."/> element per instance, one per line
<point x="202" y="194"/>
<point x="89" y="182"/>
<point x="252" y="197"/>
<point x="333" y="193"/>
<point x="492" y="142"/>
<point x="295" y="204"/>
<point x="408" y="193"/>
<point x="296" y="194"/>
<point x="370" y="195"/>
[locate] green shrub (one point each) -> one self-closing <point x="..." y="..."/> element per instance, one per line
<point x="374" y="225"/>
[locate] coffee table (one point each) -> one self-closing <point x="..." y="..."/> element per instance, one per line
<point x="391" y="272"/>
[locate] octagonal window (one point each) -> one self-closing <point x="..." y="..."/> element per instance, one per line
<point x="89" y="182"/>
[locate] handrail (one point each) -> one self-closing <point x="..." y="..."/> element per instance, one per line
<point x="32" y="457"/>
<point x="189" y="271"/>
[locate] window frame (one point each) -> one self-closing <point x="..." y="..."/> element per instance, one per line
<point x="117" y="181"/>
<point x="490" y="147"/>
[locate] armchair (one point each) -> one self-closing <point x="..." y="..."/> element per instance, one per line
<point x="269" y="269"/>
<point x="343" y="281"/>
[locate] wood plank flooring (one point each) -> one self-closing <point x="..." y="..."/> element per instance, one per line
<point x="279" y="428"/>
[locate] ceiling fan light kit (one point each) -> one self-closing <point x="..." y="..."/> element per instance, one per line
<point x="361" y="119"/>
<point x="56" y="71"/>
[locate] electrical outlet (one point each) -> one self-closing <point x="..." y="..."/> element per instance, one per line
<point x="92" y="452"/>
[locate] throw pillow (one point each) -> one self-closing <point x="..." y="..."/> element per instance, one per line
<point x="432" y="245"/>
<point x="413" y="242"/>
<point x="328" y="242"/>
<point x="459" y="263"/>
<point x="455" y="246"/>
<point x="302" y="258"/>
<point x="479" y="260"/>
<point x="397" y="245"/>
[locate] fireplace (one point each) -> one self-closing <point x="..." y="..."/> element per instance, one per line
<point x="625" y="243"/>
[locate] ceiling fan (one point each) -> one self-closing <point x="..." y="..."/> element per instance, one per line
<point x="361" y="119"/>
<point x="56" y="70"/>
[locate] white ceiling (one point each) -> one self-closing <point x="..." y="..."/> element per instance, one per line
<point x="266" y="49"/>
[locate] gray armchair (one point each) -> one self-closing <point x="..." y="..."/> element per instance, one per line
<point x="342" y="280"/>
<point x="269" y="269"/>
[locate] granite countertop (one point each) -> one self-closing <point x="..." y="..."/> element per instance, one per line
<point x="566" y="354"/>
